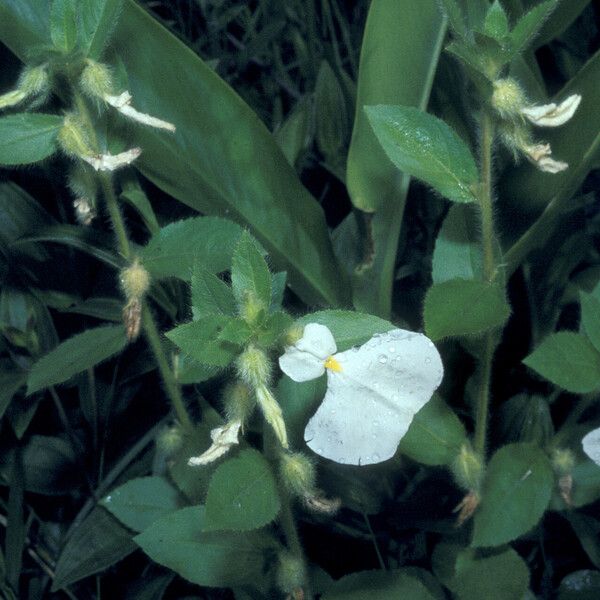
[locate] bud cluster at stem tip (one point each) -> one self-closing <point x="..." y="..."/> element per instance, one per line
<point x="135" y="282"/>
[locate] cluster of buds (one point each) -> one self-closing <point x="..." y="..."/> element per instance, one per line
<point x="33" y="85"/>
<point x="468" y="471"/>
<point x="135" y="282"/>
<point x="510" y="103"/>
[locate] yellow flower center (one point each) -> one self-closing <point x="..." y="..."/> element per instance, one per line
<point x="333" y="364"/>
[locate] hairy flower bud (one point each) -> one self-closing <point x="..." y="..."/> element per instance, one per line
<point x="252" y="309"/>
<point x="291" y="574"/>
<point x="96" y="80"/>
<point x="254" y="367"/>
<point x="239" y="402"/>
<point x="293" y="335"/>
<point x="298" y="473"/>
<point x="33" y="81"/>
<point x="135" y="280"/>
<point x="468" y="469"/>
<point x="73" y="138"/>
<point x="508" y="98"/>
<point x="272" y="412"/>
<point x="170" y="440"/>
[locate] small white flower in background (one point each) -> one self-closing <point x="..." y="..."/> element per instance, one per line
<point x="85" y="213"/>
<point x="552" y="115"/>
<point x="122" y="103"/>
<point x="223" y="439"/>
<point x="112" y="162"/>
<point x="373" y="391"/>
<point x="540" y="155"/>
<point x="591" y="445"/>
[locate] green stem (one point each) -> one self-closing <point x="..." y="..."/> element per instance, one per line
<point x="488" y="243"/>
<point x="170" y="383"/>
<point x="116" y="217"/>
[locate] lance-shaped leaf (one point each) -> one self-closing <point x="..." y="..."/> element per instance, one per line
<point x="425" y="147"/>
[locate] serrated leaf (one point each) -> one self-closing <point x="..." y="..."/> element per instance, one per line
<point x="210" y="295"/>
<point x="97" y="543"/>
<point x="200" y="339"/>
<point x="78" y="353"/>
<point x="142" y="501"/>
<point x="250" y="274"/>
<point x="568" y="360"/>
<point x="208" y="242"/>
<point x="435" y="435"/>
<point x="274" y="327"/>
<point x="27" y="138"/>
<point x="98" y="20"/>
<point x="464" y="307"/>
<point x="237" y="331"/>
<point x="348" y="328"/>
<point x="216" y="559"/>
<point x="529" y="25"/>
<point x="63" y="24"/>
<point x="457" y="253"/>
<point x="456" y="17"/>
<point x="590" y="318"/>
<point x="382" y="585"/>
<point x="278" y="282"/>
<point x="423" y="146"/>
<point x="516" y="492"/>
<point x="496" y="22"/>
<point x="242" y="494"/>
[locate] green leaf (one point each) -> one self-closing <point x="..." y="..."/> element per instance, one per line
<point x="140" y="502"/>
<point x="242" y="494"/>
<point x="273" y="328"/>
<point x="529" y="25"/>
<point x="496" y="22"/>
<point x="400" y="49"/>
<point x="78" y="353"/>
<point x="27" y="138"/>
<point x="250" y="275"/>
<point x="587" y="529"/>
<point x="568" y="360"/>
<point x="200" y="339"/>
<point x="435" y="436"/>
<point x="24" y="25"/>
<point x="481" y="307"/>
<point x="457" y="253"/>
<point x="216" y="559"/>
<point x="11" y="381"/>
<point x="236" y="331"/>
<point x="590" y="317"/>
<point x="97" y="543"/>
<point x="559" y="20"/>
<point x="517" y="490"/>
<point x="207" y="242"/>
<point x="502" y="575"/>
<point x="382" y="585"/>
<point x="278" y="282"/>
<point x="456" y="18"/>
<point x="63" y="24"/>
<point x="348" y="328"/>
<point x="210" y="295"/>
<point x="98" y="21"/>
<point x="134" y="195"/>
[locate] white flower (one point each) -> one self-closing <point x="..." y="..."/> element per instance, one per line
<point x="85" y="213"/>
<point x="591" y="445"/>
<point x="112" y="162"/>
<point x="122" y="103"/>
<point x="552" y="115"/>
<point x="541" y="156"/>
<point x="373" y="392"/>
<point x="223" y="439"/>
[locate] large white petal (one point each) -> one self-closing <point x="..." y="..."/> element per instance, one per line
<point x="370" y="404"/>
<point x="591" y="445"/>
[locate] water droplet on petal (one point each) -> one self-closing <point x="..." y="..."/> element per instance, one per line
<point x="375" y="457"/>
<point x="382" y="358"/>
<point x="428" y="361"/>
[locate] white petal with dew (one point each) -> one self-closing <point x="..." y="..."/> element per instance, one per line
<point x="223" y="438"/>
<point x="591" y="445"/>
<point x="122" y="103"/>
<point x="305" y="359"/>
<point x="112" y="162"/>
<point x="371" y="403"/>
<point x="552" y="115"/>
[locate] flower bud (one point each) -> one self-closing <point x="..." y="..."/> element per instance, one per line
<point x="298" y="473"/>
<point x="318" y="503"/>
<point x="254" y="367"/>
<point x="170" y="440"/>
<point x="563" y="460"/>
<point x="239" y="401"/>
<point x="73" y="138"/>
<point x="272" y="413"/>
<point x="96" y="80"/>
<point x="508" y="98"/>
<point x="252" y="309"/>
<point x="135" y="280"/>
<point x="291" y="574"/>
<point x="293" y="335"/>
<point x="34" y="81"/>
<point x="468" y="469"/>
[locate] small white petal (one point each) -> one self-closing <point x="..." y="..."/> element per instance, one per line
<point x="591" y="445"/>
<point x="111" y="162"/>
<point x="549" y="165"/>
<point x="552" y="115"/>
<point x="370" y="404"/>
<point x="223" y="439"/>
<point x="122" y="103"/>
<point x="537" y="151"/>
<point x="305" y="359"/>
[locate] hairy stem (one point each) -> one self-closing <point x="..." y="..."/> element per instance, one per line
<point x="488" y="243"/>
